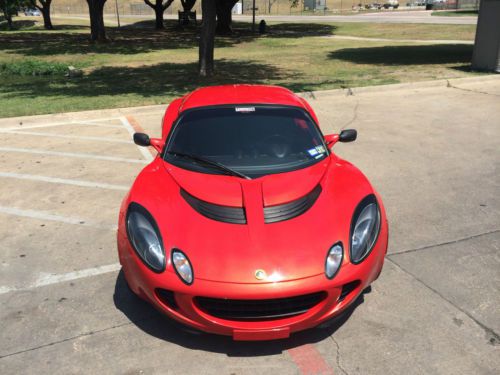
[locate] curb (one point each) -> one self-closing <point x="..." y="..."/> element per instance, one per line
<point x="311" y="95"/>
<point x="398" y="86"/>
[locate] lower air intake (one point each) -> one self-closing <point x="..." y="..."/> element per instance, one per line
<point x="264" y="309"/>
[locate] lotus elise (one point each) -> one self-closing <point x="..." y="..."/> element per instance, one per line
<point x="246" y="223"/>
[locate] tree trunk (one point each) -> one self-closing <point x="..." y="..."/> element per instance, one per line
<point x="159" y="16"/>
<point x="97" y="30"/>
<point x="224" y="16"/>
<point x="47" y="22"/>
<point x="207" y="38"/>
<point x="187" y="5"/>
<point x="8" y="17"/>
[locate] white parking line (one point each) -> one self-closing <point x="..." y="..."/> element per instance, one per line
<point x="72" y="155"/>
<point x="59" y="124"/>
<point x="78" y="137"/>
<point x="147" y="155"/>
<point x="65" y="181"/>
<point x="50" y="279"/>
<point x="42" y="215"/>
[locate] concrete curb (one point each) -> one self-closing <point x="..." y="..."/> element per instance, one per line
<point x="117" y="112"/>
<point x="398" y="86"/>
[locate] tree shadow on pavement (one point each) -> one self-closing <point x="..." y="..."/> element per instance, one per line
<point x="154" y="323"/>
<point x="406" y="55"/>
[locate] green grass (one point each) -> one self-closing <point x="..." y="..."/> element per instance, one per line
<point x="142" y="66"/>
<point x="32" y="67"/>
<point x="455" y="13"/>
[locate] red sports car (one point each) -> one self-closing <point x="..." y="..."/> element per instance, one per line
<point x="246" y="223"/>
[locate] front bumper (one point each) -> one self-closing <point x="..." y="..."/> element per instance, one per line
<point x="186" y="310"/>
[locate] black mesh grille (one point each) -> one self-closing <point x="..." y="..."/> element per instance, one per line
<point x="287" y="211"/>
<point x="266" y="309"/>
<point x="226" y="214"/>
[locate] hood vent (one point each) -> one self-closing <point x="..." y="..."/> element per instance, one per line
<point x="226" y="214"/>
<point x="287" y="211"/>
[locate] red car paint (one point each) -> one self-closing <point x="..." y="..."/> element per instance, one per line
<point x="225" y="257"/>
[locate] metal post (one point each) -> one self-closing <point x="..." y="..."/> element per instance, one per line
<point x="253" y="17"/>
<point x="117" y="14"/>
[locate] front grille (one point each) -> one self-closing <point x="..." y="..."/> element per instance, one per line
<point x="264" y="309"/>
<point x="226" y="214"/>
<point x="287" y="211"/>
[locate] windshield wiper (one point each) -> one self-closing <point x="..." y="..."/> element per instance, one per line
<point x="201" y="159"/>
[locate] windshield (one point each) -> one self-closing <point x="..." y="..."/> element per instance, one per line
<point x="251" y="140"/>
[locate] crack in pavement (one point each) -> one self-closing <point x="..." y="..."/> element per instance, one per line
<point x="469" y="90"/>
<point x="354" y="117"/>
<point x="90" y="333"/>
<point x="337" y="360"/>
<point x="444" y="243"/>
<point x="492" y="336"/>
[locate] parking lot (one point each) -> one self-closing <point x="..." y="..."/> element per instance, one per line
<point x="433" y="153"/>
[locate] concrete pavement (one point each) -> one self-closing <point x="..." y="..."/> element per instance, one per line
<point x="431" y="150"/>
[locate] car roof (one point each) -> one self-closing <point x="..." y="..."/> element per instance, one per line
<point x="240" y="94"/>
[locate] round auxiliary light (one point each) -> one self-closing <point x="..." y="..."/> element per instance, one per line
<point x="182" y="266"/>
<point x="334" y="260"/>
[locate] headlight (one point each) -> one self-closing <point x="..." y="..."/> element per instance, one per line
<point x="182" y="266"/>
<point x="365" y="227"/>
<point x="334" y="260"/>
<point x="145" y="237"/>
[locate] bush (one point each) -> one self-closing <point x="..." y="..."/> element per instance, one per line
<point x="33" y="68"/>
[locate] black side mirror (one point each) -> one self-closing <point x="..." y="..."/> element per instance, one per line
<point x="142" y="139"/>
<point x="348" y="135"/>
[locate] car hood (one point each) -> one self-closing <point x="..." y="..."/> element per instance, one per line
<point x="225" y="252"/>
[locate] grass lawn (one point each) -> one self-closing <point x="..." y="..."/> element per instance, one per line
<point x="142" y="66"/>
<point x="455" y="13"/>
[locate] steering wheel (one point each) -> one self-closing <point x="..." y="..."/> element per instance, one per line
<point x="276" y="144"/>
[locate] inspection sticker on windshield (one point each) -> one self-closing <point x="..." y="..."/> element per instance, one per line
<point x="245" y="109"/>
<point x="320" y="149"/>
<point x="313" y="151"/>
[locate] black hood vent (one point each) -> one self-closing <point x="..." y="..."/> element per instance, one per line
<point x="287" y="211"/>
<point x="226" y="214"/>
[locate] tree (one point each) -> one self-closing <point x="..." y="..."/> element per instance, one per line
<point x="270" y="5"/>
<point x="44" y="8"/>
<point x="187" y="5"/>
<point x="224" y="15"/>
<point x="97" y="30"/>
<point x="207" y="37"/>
<point x="9" y="8"/>
<point x="159" y="7"/>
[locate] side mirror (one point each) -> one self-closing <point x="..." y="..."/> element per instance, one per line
<point x="142" y="139"/>
<point x="348" y="135"/>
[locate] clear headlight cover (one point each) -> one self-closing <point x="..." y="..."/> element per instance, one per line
<point x="182" y="266"/>
<point x="364" y="228"/>
<point x="334" y="260"/>
<point x="145" y="237"/>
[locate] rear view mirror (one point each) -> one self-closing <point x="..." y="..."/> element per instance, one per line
<point x="348" y="135"/>
<point x="142" y="139"/>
